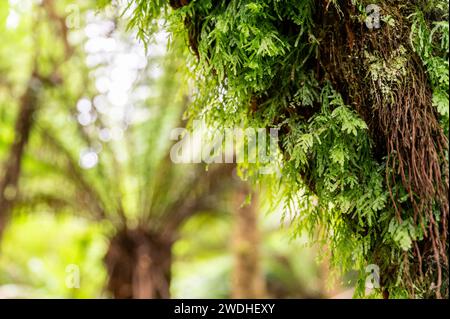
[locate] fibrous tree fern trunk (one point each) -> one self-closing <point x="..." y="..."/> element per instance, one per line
<point x="396" y="103"/>
<point x="138" y="263"/>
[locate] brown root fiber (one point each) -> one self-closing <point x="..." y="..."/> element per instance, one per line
<point x="384" y="80"/>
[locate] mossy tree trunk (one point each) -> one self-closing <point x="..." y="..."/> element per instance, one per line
<point x="380" y="75"/>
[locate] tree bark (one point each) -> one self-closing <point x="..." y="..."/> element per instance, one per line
<point x="248" y="279"/>
<point x="138" y="263"/>
<point x="404" y="126"/>
<point x="12" y="166"/>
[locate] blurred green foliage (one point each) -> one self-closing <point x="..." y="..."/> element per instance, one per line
<point x="38" y="251"/>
